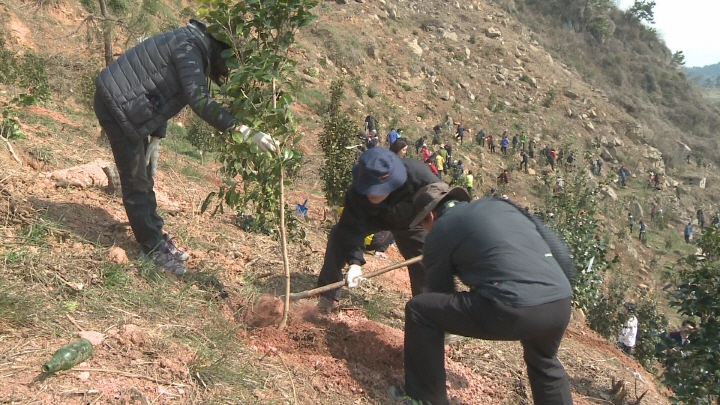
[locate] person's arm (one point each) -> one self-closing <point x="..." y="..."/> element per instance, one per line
<point x="437" y="262"/>
<point x="353" y="227"/>
<point x="190" y="67"/>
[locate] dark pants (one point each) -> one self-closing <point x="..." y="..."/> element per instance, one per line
<point x="410" y="242"/>
<point x="137" y="184"/>
<point x="524" y="162"/>
<point x="687" y="238"/>
<point x="540" y="329"/>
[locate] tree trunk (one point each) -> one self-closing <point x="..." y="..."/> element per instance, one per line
<point x="107" y="33"/>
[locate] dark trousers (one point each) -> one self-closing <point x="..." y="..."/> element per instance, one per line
<point x="524" y="162"/>
<point x="137" y="184"/>
<point x="410" y="242"/>
<point x="540" y="328"/>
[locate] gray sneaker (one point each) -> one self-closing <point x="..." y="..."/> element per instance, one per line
<point x="179" y="254"/>
<point x="162" y="257"/>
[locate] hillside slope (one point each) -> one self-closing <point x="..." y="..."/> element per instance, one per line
<point x="184" y="341"/>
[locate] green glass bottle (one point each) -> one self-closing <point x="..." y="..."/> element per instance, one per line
<point x="69" y="356"/>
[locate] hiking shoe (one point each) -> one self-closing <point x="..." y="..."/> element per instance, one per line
<point x="170" y="245"/>
<point x="400" y="397"/>
<point x="327" y="305"/>
<point x="163" y="258"/>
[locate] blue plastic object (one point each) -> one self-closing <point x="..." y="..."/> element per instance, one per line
<point x="302" y="209"/>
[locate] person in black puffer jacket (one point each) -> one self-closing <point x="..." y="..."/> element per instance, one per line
<point x="135" y="97"/>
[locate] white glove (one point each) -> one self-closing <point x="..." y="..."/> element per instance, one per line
<point x="264" y="141"/>
<point x="354" y="276"/>
<point x="151" y="155"/>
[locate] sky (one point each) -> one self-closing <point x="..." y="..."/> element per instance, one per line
<point x="690" y="26"/>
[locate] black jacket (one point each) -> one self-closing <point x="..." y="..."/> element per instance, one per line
<point x="153" y="81"/>
<point x="495" y="248"/>
<point x="361" y="218"/>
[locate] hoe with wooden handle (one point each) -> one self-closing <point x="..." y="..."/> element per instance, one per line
<point x="343" y="283"/>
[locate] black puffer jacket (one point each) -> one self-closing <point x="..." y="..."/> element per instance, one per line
<point x="153" y="81"/>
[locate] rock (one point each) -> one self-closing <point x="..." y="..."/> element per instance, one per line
<point x="570" y="94"/>
<point x="531" y="172"/>
<point x="117" y="255"/>
<point x="685" y="146"/>
<point x="589" y="126"/>
<point x="84" y="376"/>
<point x="617" y="141"/>
<point x="577" y="317"/>
<point x="415" y="48"/>
<point x="450" y="35"/>
<point x="445" y="95"/>
<point x="96" y="338"/>
<point x="549" y="59"/>
<point x="308" y="78"/>
<point x="492" y="32"/>
<point x="610" y="193"/>
<point x="569" y="112"/>
<point x="636" y="210"/>
<point x="592" y="114"/>
<point x="652" y="153"/>
<point x="393" y="13"/>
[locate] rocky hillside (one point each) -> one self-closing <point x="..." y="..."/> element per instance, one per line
<point x="411" y="63"/>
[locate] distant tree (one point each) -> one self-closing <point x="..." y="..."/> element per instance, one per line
<point x="717" y="82"/>
<point x="678" y="59"/>
<point x="709" y="82"/>
<point x="642" y="10"/>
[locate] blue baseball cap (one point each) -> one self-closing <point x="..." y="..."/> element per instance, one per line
<point x="379" y="171"/>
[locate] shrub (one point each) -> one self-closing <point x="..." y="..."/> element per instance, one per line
<point x="550" y="97"/>
<point x="337" y="135"/>
<point x="693" y="376"/>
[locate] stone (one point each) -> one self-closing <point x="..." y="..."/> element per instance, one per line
<point x="606" y="155"/>
<point x="117" y="255"/>
<point x="592" y="114"/>
<point x="308" y="78"/>
<point x="96" y="338"/>
<point x="636" y="210"/>
<point x="492" y="32"/>
<point x="445" y="95"/>
<point x="450" y="35"/>
<point x="569" y="112"/>
<point x="589" y="126"/>
<point x="414" y="47"/>
<point x="531" y="171"/>
<point x="393" y="13"/>
<point x="610" y="193"/>
<point x="570" y="94"/>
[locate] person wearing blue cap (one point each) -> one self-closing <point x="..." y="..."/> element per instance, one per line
<point x="380" y="198"/>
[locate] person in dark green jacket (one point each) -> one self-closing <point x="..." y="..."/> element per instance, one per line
<point x="135" y="97"/>
<point x="518" y="272"/>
